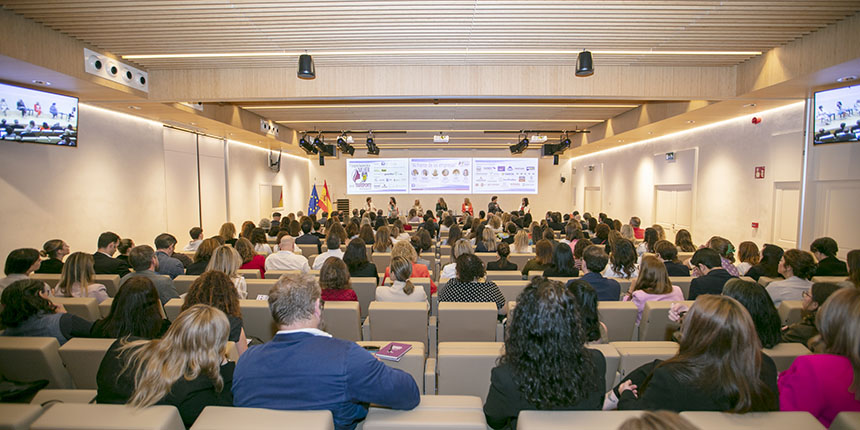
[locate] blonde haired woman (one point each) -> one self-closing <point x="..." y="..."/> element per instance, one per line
<point x="226" y="259"/>
<point x="459" y="248"/>
<point x="228" y="233"/>
<point x="383" y="242"/>
<point x="521" y="243"/>
<point x="76" y="279"/>
<point x="186" y="368"/>
<point x="402" y="290"/>
<point x="404" y="249"/>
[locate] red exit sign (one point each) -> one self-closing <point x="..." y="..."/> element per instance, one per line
<point x="759" y="172"/>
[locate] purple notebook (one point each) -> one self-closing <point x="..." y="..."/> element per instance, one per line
<point x="393" y="351"/>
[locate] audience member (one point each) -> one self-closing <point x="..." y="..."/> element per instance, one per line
<point x="335" y="282"/>
<point x="545" y="364"/>
<point x="471" y="286"/>
<point x="669" y="254"/>
<point x="346" y="378"/>
<point x="307" y="237"/>
<point x="123" y="248"/>
<point x="104" y="263"/>
<point x="202" y="256"/>
<point x="356" y="261"/>
<point x="622" y="261"/>
<point x="333" y="243"/>
<point x="828" y="383"/>
<point x="853" y="269"/>
<point x="768" y="266"/>
<point x="797" y="267"/>
<point x="578" y="249"/>
<point x="521" y="243"/>
<point x="652" y="284"/>
<point x="186" y="368"/>
<point x="748" y="255"/>
<point x="135" y="311"/>
<point x="595" y="260"/>
<point x="214" y="288"/>
<point x="228" y="233"/>
<point x="196" y="234"/>
<point x="383" y="242"/>
<point x="404" y="249"/>
<point x="249" y="258"/>
<point x="227" y="260"/>
<point x="586" y="296"/>
<point x="260" y="241"/>
<point x="285" y="258"/>
<point x="247" y="228"/>
<point x="758" y="303"/>
<point x="402" y="290"/>
<point x="713" y="276"/>
<point x="20" y="263"/>
<point x="144" y="262"/>
<point x="28" y="311"/>
<point x="648" y="245"/>
<point x="684" y="241"/>
<point x="165" y="243"/>
<point x="563" y="265"/>
<point x="601" y="235"/>
<point x="503" y="250"/>
<point x="824" y="249"/>
<point x="725" y="250"/>
<point x="719" y="366"/>
<point x="77" y="279"/>
<point x="487" y="241"/>
<point x="542" y="260"/>
<point x="55" y="251"/>
<point x="805" y="329"/>
<point x="638" y="233"/>
<point x="661" y="234"/>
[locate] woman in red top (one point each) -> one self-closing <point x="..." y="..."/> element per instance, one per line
<point x="334" y="281"/>
<point x="404" y="249"/>
<point x="250" y="258"/>
<point x="467" y="207"/>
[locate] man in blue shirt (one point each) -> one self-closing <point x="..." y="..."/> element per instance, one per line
<point x="595" y="261"/>
<point x="304" y="368"/>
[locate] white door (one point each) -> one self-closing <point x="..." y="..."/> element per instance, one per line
<point x="673" y="208"/>
<point x="593" y="198"/>
<point x="786" y="206"/>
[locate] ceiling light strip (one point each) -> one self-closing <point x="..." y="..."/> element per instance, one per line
<point x="335" y="121"/>
<point x="442" y="105"/>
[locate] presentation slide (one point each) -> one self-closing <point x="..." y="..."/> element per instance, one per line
<point x="377" y="176"/>
<point x="505" y="175"/>
<point x="440" y="175"/>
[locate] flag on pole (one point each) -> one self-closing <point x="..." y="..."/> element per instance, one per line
<point x="325" y="200"/>
<point x="313" y="203"/>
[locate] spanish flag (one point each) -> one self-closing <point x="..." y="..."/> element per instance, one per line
<point x="325" y="199"/>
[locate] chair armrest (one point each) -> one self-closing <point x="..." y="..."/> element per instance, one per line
<point x="432" y="336"/>
<point x="434" y="304"/>
<point x="365" y="329"/>
<point x="500" y="332"/>
<point x="430" y="377"/>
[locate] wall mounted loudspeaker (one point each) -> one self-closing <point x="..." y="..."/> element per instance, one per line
<point x="584" y="64"/>
<point x="555" y="160"/>
<point x="113" y="70"/>
<point x="306" y="67"/>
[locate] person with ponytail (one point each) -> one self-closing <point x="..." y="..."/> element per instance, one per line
<point x="54" y="250"/>
<point x="402" y="290"/>
<point x="77" y="279"/>
<point x="187" y="368"/>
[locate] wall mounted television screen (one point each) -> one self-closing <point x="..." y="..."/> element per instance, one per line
<point x="837" y="115"/>
<point x="32" y="116"/>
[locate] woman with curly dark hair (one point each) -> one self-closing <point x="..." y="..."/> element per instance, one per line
<point x="545" y="364"/>
<point x="215" y="288"/>
<point x="586" y="295"/>
<point x="758" y="303"/>
<point x="622" y="261"/>
<point x="27" y="311"/>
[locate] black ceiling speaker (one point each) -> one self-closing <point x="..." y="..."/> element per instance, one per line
<point x="306" y="67"/>
<point x="584" y="64"/>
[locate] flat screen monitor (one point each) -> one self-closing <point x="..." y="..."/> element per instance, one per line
<point x="837" y="115"/>
<point x="32" y="116"/>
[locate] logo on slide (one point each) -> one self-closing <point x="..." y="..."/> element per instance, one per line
<point x="359" y="175"/>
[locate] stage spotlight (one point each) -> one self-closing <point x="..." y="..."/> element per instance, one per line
<point x="584" y="64"/>
<point x="345" y="147"/>
<point x="521" y="146"/>
<point x="372" y="149"/>
<point x="319" y="143"/>
<point x="306" y="145"/>
<point x="306" y="67"/>
<point x="563" y="143"/>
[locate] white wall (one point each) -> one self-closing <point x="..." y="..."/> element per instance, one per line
<point x="552" y="194"/>
<point x="717" y="161"/>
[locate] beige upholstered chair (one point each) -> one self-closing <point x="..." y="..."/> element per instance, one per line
<point x="82" y="357"/>
<point x="470" y="322"/>
<point x="520" y="259"/>
<point x="831" y="279"/>
<point x="84" y="307"/>
<point x="512" y="288"/>
<point x="257" y="319"/>
<point x="49" y="396"/>
<point x="613" y="358"/>
<point x="790" y="311"/>
<point x="381" y="260"/>
<point x="18" y="416"/>
<point x="682" y="282"/>
<point x="635" y="354"/>
<point x="573" y="420"/>
<point x="111" y="283"/>
<point x="655" y="323"/>
<point x="753" y="420"/>
<point x="433" y="413"/>
<point x="764" y="280"/>
<point x="34" y="358"/>
<point x="844" y="421"/>
<point x="414" y="363"/>
<point x="619" y="318"/>
<point x="173" y="307"/>
<point x="395" y="320"/>
<point x="275" y="274"/>
<point x="68" y="416"/>
<point x="183" y="282"/>
<point x="249" y="273"/>
<point x="504" y="275"/>
<point x="342" y="320"/>
<point x="783" y="354"/>
<point x="52" y="279"/>
<point x="463" y="368"/>
<point x="104" y="307"/>
<point x="309" y="249"/>
<point x="226" y="418"/>
<point x="257" y="287"/>
<point x="365" y="289"/>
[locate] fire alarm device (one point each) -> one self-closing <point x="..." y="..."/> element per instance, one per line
<point x="759" y="172"/>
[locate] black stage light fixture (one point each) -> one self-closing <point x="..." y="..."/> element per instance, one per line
<point x="306" y="145"/>
<point x="563" y="142"/>
<point x="372" y="149"/>
<point x="306" y="67"/>
<point x="584" y="64"/>
<point x="319" y="143"/>
<point x="521" y="146"/>
<point x="345" y="147"/>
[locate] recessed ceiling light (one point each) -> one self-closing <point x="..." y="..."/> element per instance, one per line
<point x="620" y="140"/>
<point x="691" y="122"/>
<point x="134" y="107"/>
<point x="848" y="78"/>
<point x="650" y="132"/>
<point x="41" y="82"/>
<point x="750" y="105"/>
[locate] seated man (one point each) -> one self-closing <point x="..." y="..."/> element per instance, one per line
<point x="333" y="245"/>
<point x="165" y="243"/>
<point x="196" y="239"/>
<point x="286" y="258"/>
<point x="713" y="278"/>
<point x="103" y="261"/>
<point x="144" y="262"/>
<point x="595" y="261"/>
<point x="824" y="249"/>
<point x="307" y="238"/>
<point x="304" y="368"/>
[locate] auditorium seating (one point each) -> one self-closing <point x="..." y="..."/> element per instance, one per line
<point x="830" y="279"/>
<point x="682" y="282"/>
<point x="82" y="357"/>
<point x="655" y="323"/>
<point x="111" y="282"/>
<point x="764" y="280"/>
<point x="67" y="416"/>
<point x="275" y="274"/>
<point x="258" y="287"/>
<point x="619" y="318"/>
<point x="573" y="420"/>
<point x="783" y="354"/>
<point x="183" y="282"/>
<point x="469" y="322"/>
<point x="84" y="307"/>
<point x="512" y="288"/>
<point x="249" y="273"/>
<point x="753" y="420"/>
<point x="308" y="250"/>
<point x="49" y="396"/>
<point x="394" y="320"/>
<point x="17" y="416"/>
<point x="635" y="354"/>
<point x="104" y="307"/>
<point x="613" y="358"/>
<point x="257" y="319"/>
<point x="432" y="413"/>
<point x="365" y="289"/>
<point x="381" y="260"/>
<point x="32" y="359"/>
<point x="790" y="311"/>
<point x="414" y="362"/>
<point x="342" y="320"/>
<point x="227" y="418"/>
<point x="463" y="368"/>
<point x="504" y="275"/>
<point x="846" y="421"/>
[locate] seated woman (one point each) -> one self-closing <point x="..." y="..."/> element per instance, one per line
<point x="748" y="255"/>
<point x="356" y="261"/>
<point x="471" y="286"/>
<point x="187" y="368"/>
<point x="563" y="265"/>
<point x="622" y="261"/>
<point x="586" y="296"/>
<point x="55" y="251"/>
<point x="853" y="269"/>
<point x="226" y="259"/>
<point x="719" y="366"/>
<point x="202" y="255"/>
<point x="824" y="249"/>
<point x="652" y="285"/>
<point x="454" y="234"/>
<point x="20" y="263"/>
<point x="758" y="303"/>
<point x="27" y="311"/>
<point x="650" y="242"/>
<point x="805" y="329"/>
<point x="422" y="242"/>
<point x="545" y="364"/>
<point x="727" y="255"/>
<point x="228" y="233"/>
<point x="365" y="233"/>
<point x="684" y="241"/>
<point x="402" y="290"/>
<point x="504" y="250"/>
<point x="334" y="281"/>
<point x="214" y="288"/>
<point x="797" y="267"/>
<point x="404" y="249"/>
<point x="521" y="243"/>
<point x="460" y="247"/>
<point x="669" y="254"/>
<point x="260" y="241"/>
<point x="827" y="383"/>
<point x="250" y="258"/>
<point x="769" y="263"/>
<point x="135" y="311"/>
<point x="542" y="260"/>
<point x="125" y="246"/>
<point x="76" y="279"/>
<point x="383" y="242"/>
<point x="487" y="241"/>
<point x="578" y="250"/>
